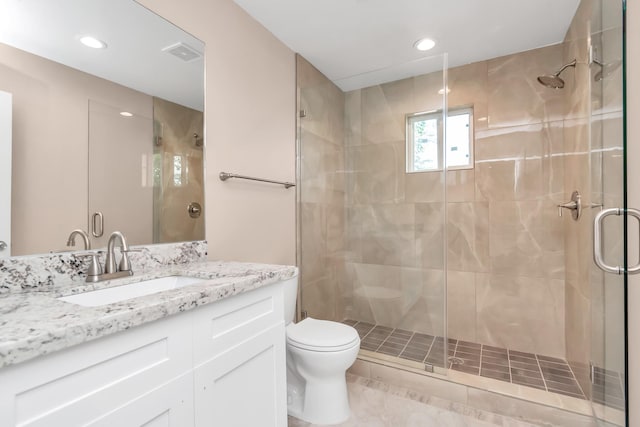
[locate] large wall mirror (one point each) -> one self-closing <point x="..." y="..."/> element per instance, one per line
<point x="101" y="106"/>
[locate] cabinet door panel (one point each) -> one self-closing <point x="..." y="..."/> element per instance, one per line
<point x="221" y="325"/>
<point x="74" y="386"/>
<point x="244" y="386"/>
<point x="170" y="405"/>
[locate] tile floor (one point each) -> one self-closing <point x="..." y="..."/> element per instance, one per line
<point x="376" y="404"/>
<point x="533" y="370"/>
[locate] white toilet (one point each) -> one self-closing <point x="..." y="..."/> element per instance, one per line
<point x="319" y="352"/>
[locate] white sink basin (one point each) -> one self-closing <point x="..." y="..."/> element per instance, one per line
<point x="132" y="290"/>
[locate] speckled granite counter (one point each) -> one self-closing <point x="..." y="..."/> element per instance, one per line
<point x="34" y="323"/>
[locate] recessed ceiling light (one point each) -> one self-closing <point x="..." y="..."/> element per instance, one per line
<point x="126" y="114"/>
<point x="93" y="42"/>
<point x="424" y="44"/>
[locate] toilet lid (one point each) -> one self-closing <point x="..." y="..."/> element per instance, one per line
<point x="322" y="335"/>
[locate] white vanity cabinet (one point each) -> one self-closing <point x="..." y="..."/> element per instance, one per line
<point x="239" y="353"/>
<point x="222" y="364"/>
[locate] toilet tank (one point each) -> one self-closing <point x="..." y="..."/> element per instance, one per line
<point x="290" y="297"/>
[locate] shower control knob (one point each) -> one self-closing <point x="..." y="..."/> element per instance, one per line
<point x="194" y="209"/>
<point x="3" y="245"/>
<point x="575" y="206"/>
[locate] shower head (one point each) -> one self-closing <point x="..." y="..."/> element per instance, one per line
<point x="606" y="69"/>
<point x="554" y="81"/>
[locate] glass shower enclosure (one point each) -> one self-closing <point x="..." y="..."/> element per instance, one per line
<point x="436" y="214"/>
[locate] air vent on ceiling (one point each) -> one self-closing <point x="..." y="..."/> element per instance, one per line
<point x="183" y="51"/>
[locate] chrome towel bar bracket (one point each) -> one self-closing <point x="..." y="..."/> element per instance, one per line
<point x="226" y="175"/>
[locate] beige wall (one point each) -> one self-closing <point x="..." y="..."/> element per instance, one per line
<point x="50" y="128"/>
<point x="249" y="128"/>
<point x="633" y="180"/>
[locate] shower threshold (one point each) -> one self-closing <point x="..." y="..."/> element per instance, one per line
<point x="541" y="372"/>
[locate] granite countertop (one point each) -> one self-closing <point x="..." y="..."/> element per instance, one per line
<point x="35" y="323"/>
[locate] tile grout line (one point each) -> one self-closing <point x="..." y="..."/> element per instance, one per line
<point x="544" y="380"/>
<point x="509" y="364"/>
<point x="405" y="346"/>
<point x="429" y="350"/>
<point x="573" y="375"/>
<point x="384" y="340"/>
<point x="455" y="350"/>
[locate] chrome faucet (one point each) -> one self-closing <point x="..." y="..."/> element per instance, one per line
<point x="71" y="241"/>
<point x="110" y="261"/>
<point x="111" y="271"/>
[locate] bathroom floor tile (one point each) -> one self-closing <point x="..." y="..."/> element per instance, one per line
<point x="376" y="404"/>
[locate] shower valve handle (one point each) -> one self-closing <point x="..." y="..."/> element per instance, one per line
<point x="575" y="206"/>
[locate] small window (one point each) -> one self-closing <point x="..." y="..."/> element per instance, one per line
<point x="425" y="148"/>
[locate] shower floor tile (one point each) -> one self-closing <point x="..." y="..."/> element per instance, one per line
<point x="532" y="370"/>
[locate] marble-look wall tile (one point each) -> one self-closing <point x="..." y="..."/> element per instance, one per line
<point x="468" y="85"/>
<point x="376" y="173"/>
<point x="520" y="163"/>
<point x="521" y="313"/>
<point x="320" y="298"/>
<point x="612" y="54"/>
<point x="461" y="185"/>
<point x="526" y="239"/>
<point x="353" y="118"/>
<point x="468" y="236"/>
<point x="578" y="328"/>
<point x="383" y="111"/>
<point x="423" y="187"/>
<point x="323" y="103"/>
<point x="428" y="92"/>
<point x="313" y="242"/>
<point x="321" y="170"/>
<point x="387" y="233"/>
<point x="461" y="306"/>
<point x="516" y="97"/>
<point x="429" y="229"/>
<point x="321" y="192"/>
<point x="401" y="297"/>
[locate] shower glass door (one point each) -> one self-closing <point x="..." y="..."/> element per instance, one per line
<point x="371" y="207"/>
<point x="607" y="156"/>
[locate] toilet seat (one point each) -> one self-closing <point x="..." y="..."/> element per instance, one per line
<point x="321" y="335"/>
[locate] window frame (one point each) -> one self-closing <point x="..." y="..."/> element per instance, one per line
<point x="441" y="138"/>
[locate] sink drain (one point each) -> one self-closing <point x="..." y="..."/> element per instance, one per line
<point x="455" y="360"/>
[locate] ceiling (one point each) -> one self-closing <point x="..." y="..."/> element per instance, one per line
<point x="135" y="40"/>
<point x="359" y="43"/>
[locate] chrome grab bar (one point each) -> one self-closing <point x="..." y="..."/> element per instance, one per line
<point x="226" y="175"/>
<point x="598" y="257"/>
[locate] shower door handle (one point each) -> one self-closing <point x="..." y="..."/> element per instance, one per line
<point x="598" y="256"/>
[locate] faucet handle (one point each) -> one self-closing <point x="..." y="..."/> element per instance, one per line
<point x="95" y="269"/>
<point x="125" y="263"/>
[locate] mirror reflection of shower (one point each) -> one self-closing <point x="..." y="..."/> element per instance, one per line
<point x="554" y="81"/>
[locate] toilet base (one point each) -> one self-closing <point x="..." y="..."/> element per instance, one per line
<point x="325" y="403"/>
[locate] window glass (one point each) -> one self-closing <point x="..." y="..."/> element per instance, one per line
<point x="425" y="136"/>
